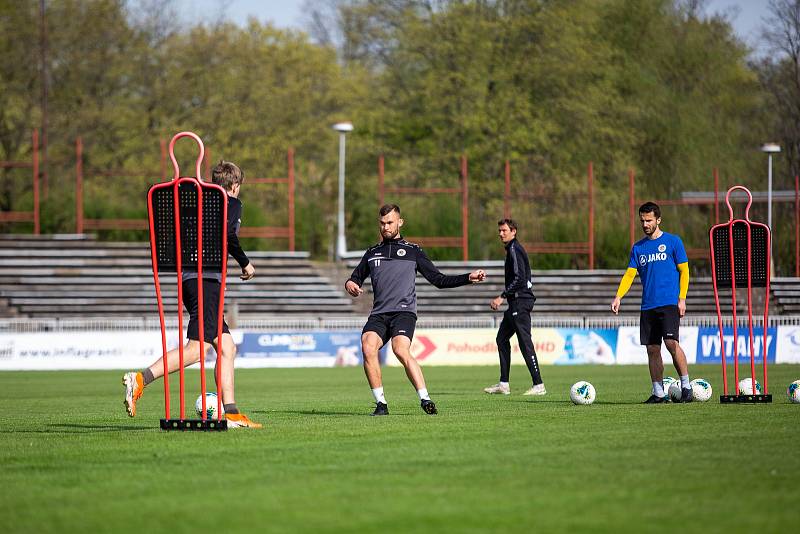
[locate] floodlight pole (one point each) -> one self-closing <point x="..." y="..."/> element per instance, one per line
<point x="341" y="243"/>
<point x="770" y="149"/>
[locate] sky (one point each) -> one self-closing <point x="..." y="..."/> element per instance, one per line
<point x="746" y="15"/>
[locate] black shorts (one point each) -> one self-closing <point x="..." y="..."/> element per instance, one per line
<point x="210" y="309"/>
<point x="389" y="325"/>
<point x="659" y="323"/>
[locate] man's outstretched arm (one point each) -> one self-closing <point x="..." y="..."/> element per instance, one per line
<point x="442" y="281"/>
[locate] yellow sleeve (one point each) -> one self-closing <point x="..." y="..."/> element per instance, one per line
<point x="626" y="282"/>
<point x="684" y="282"/>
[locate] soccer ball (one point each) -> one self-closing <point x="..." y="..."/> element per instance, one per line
<point x="667" y="382"/>
<point x="701" y="389"/>
<point x="746" y="387"/>
<point x="674" y="391"/>
<point x="582" y="393"/>
<point x="211" y="406"/>
<point x="794" y="392"/>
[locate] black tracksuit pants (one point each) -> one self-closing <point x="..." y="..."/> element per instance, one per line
<point x="517" y="320"/>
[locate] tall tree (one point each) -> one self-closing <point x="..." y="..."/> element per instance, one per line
<point x="780" y="73"/>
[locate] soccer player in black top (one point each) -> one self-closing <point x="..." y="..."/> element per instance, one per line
<point x="393" y="265"/>
<point x="517" y="318"/>
<point x="230" y="177"/>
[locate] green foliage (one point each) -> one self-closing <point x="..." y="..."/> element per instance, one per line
<point x="548" y="86"/>
<point x="551" y="86"/>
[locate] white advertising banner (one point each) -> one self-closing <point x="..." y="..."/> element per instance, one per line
<point x="788" y="347"/>
<point x="629" y="351"/>
<point x="467" y="346"/>
<point x="477" y="346"/>
<point x="82" y="350"/>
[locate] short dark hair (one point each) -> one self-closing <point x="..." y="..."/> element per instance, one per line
<point x="650" y="207"/>
<point x="386" y="209"/>
<point x="511" y="223"/>
<point x="227" y="175"/>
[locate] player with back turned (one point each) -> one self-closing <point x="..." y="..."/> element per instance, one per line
<point x="660" y="259"/>
<point x="392" y="265"/>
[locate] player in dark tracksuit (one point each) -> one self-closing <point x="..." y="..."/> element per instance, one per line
<point x="393" y="265"/>
<point x="517" y="318"/>
<point x="229" y="176"/>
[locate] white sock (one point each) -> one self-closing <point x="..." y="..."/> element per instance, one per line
<point x="504" y="384"/>
<point x="658" y="389"/>
<point x="378" y="394"/>
<point x="685" y="382"/>
<point x="423" y="394"/>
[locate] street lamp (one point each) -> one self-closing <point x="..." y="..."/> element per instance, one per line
<point x="770" y="149"/>
<point x="341" y="244"/>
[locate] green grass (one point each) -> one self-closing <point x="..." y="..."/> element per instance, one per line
<point x="72" y="461"/>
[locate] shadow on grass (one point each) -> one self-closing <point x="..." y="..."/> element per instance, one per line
<point x="569" y="403"/>
<point x="63" y="428"/>
<point x="324" y="413"/>
<point x="311" y="412"/>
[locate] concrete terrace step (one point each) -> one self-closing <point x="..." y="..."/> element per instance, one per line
<point x="128" y="310"/>
<point x="64" y="278"/>
<point x="79" y="276"/>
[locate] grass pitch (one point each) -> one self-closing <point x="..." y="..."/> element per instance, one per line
<point x="72" y="461"/>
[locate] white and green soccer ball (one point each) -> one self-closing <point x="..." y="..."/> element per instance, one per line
<point x="582" y="393"/>
<point x="211" y="406"/>
<point x="701" y="389"/>
<point x="794" y="392"/>
<point x="746" y="387"/>
<point x="674" y="391"/>
<point x="668" y="381"/>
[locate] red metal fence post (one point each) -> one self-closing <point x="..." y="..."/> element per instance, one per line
<point x="716" y="196"/>
<point x="464" y="210"/>
<point x="631" y="204"/>
<point x="591" y="215"/>
<point x="381" y="190"/>
<point x="507" y="192"/>
<point x="163" y="160"/>
<point x="290" y="158"/>
<point x="78" y="186"/>
<point x="35" y="142"/>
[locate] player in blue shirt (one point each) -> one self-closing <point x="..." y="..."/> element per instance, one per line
<point x="660" y="259"/>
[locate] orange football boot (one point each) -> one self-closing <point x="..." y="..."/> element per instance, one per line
<point x="240" y="420"/>
<point x="134" y="387"/>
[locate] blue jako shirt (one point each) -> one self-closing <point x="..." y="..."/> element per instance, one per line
<point x="657" y="261"/>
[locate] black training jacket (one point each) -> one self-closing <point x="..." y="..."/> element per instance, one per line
<point x="234" y="247"/>
<point x="518" y="273"/>
<point x="393" y="265"/>
<point x="234" y="223"/>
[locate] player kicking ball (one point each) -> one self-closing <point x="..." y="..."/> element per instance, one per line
<point x="230" y="177"/>
<point x="660" y="259"/>
<point x="393" y="265"/>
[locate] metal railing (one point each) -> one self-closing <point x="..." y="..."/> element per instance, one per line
<point x="301" y="323"/>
